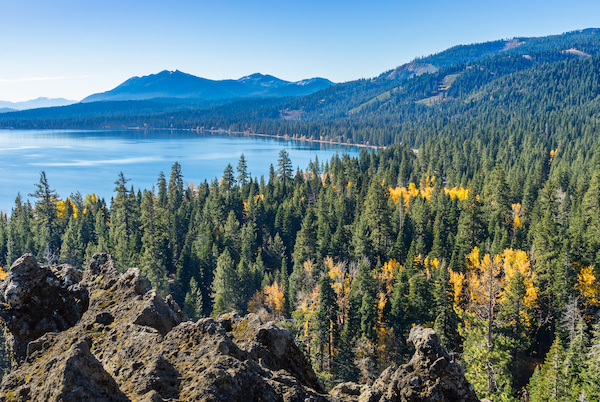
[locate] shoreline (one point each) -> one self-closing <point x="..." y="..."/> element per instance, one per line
<point x="281" y="137"/>
<point x="227" y="132"/>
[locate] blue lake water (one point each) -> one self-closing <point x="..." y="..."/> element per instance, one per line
<point x="89" y="161"/>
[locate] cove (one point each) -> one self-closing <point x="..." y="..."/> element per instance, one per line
<point x="89" y="161"/>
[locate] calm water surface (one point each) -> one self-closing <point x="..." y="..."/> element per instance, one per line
<point x="89" y="161"/>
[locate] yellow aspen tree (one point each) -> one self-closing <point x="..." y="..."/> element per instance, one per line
<point x="484" y="291"/>
<point x="457" y="280"/>
<point x="275" y="299"/>
<point x="588" y="287"/>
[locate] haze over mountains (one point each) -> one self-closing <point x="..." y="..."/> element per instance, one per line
<point x="6" y="106"/>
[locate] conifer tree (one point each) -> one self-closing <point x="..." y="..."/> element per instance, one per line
<point x="326" y="321"/>
<point x="121" y="224"/>
<point x="242" y="170"/>
<point x="225" y="287"/>
<point x="46" y="217"/>
<point x="284" y="164"/>
<point x="548" y="382"/>
<point x="193" y="305"/>
<point x="153" y="263"/>
<point x="71" y="251"/>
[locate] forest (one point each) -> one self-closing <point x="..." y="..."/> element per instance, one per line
<point x="495" y="249"/>
<point x="479" y="217"/>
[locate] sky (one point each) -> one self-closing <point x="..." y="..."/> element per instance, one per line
<point x="74" y="48"/>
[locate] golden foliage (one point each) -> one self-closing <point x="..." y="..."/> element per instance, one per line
<point x="517" y="221"/>
<point x="425" y="190"/>
<point x="387" y="275"/>
<point x="395" y="193"/>
<point x="3" y="273"/>
<point x="516" y="209"/>
<point x="487" y="281"/>
<point x="271" y="299"/>
<point x="458" y="192"/>
<point x="457" y="279"/>
<point x="484" y="285"/>
<point x="308" y="266"/>
<point x="472" y="259"/>
<point x="342" y="283"/>
<point x="413" y="190"/>
<point x="588" y="286"/>
<point x="275" y="299"/>
<point x="61" y="208"/>
<point x="431" y="265"/>
<point x="517" y="261"/>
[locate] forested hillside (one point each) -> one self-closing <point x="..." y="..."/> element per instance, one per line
<point x="480" y="218"/>
<point x="488" y="240"/>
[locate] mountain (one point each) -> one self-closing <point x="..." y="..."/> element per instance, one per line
<point x="6" y="106"/>
<point x="392" y="107"/>
<point x="440" y="78"/>
<point x="182" y="86"/>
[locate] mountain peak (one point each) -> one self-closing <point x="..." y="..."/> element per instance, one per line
<point x="179" y="85"/>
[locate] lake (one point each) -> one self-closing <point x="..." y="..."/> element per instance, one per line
<point x="89" y="161"/>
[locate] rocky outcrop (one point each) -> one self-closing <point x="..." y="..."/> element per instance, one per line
<point x="98" y="335"/>
<point x="38" y="300"/>
<point x="431" y="375"/>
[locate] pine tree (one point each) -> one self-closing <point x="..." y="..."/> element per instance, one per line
<point x="549" y="381"/>
<point x="225" y="286"/>
<point x="589" y="375"/>
<point x="153" y="263"/>
<point x="446" y="320"/>
<point x="326" y="323"/>
<point x="46" y="217"/>
<point x="121" y="224"/>
<point x="284" y="167"/>
<point x="228" y="179"/>
<point x="193" y="305"/>
<point x="71" y="251"/>
<point x="368" y="306"/>
<point x="242" y="169"/>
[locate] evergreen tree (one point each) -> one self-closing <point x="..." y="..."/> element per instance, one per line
<point x="71" y="251"/>
<point x="326" y="321"/>
<point x="242" y="170"/>
<point x="549" y="382"/>
<point x="193" y="305"/>
<point x="121" y="224"/>
<point x="46" y="218"/>
<point x="368" y="306"/>
<point x="225" y="286"/>
<point x="153" y="262"/>
<point x="284" y="164"/>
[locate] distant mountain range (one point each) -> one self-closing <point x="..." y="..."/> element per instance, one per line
<point x="6" y="106"/>
<point x="179" y="85"/>
<point x="461" y="80"/>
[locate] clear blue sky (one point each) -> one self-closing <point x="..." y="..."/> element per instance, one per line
<point x="73" y="48"/>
